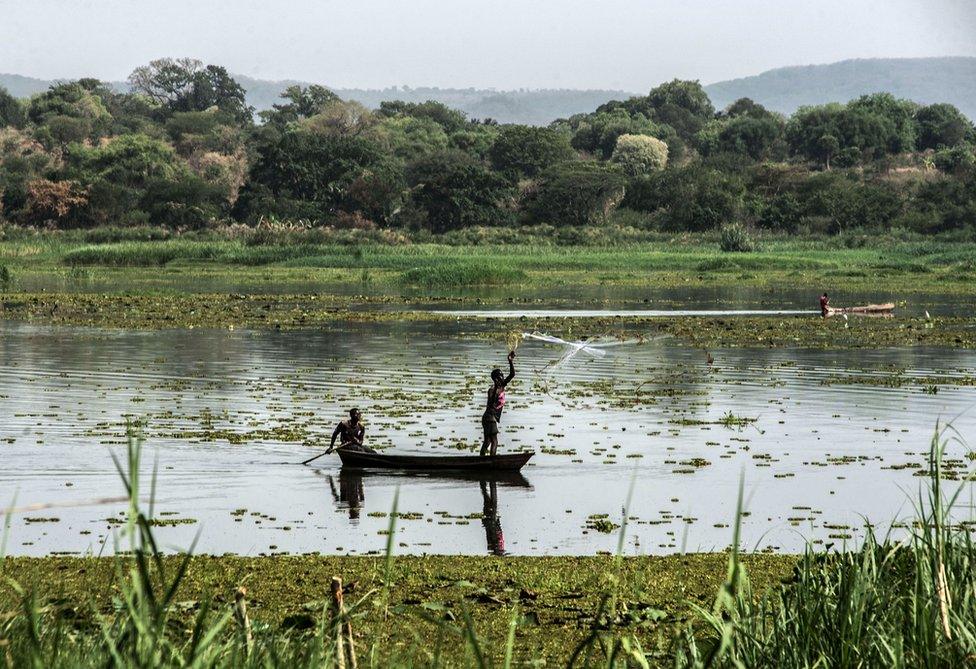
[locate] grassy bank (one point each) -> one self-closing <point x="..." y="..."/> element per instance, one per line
<point x="187" y="264"/>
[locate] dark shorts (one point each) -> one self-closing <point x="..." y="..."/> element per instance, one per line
<point x="490" y="424"/>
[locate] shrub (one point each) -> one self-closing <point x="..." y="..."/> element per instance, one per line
<point x="640" y="154"/>
<point x="693" y="198"/>
<point x="736" y="239"/>
<point x="520" y="149"/>
<point x="454" y="191"/>
<point x="580" y="193"/>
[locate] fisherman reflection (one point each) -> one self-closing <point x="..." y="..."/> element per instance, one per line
<point x="350" y="493"/>
<point x="489" y="518"/>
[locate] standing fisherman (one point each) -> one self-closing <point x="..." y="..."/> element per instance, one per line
<point x="496" y="402"/>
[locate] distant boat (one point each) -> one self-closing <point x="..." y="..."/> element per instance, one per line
<point x="886" y="308"/>
<point x="469" y="463"/>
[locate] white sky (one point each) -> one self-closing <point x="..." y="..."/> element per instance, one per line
<point x="626" y="44"/>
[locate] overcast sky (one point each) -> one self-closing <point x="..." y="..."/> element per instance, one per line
<point x="623" y="44"/>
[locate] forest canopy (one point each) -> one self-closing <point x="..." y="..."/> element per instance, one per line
<point x="183" y="150"/>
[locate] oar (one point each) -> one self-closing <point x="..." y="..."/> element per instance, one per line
<point x="317" y="456"/>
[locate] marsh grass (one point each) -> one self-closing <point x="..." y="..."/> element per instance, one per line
<point x="908" y="266"/>
<point x="908" y="602"/>
<point x="893" y="603"/>
<point x="471" y="273"/>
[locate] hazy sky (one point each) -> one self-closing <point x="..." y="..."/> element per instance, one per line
<point x="626" y="44"/>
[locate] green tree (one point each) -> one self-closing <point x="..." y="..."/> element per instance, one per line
<point x="214" y="87"/>
<point x="301" y="103"/>
<point x="945" y="204"/>
<point x="958" y="161"/>
<point x="870" y="127"/>
<point x="941" y="125"/>
<point x="185" y="84"/>
<point x="11" y="110"/>
<point x="638" y="155"/>
<point x="340" y="117"/>
<point x="22" y="160"/>
<point x="70" y="112"/>
<point x="454" y="190"/>
<point x="476" y="139"/>
<point x="813" y="132"/>
<point x="758" y="138"/>
<point x="688" y="96"/>
<point x="886" y="125"/>
<point x="301" y="174"/>
<point x="691" y="198"/>
<point x="130" y="160"/>
<point x="597" y="133"/>
<point x="525" y="150"/>
<point x="683" y="106"/>
<point x="379" y="192"/>
<point x="576" y="193"/>
<point x="746" y="107"/>
<point x="783" y="212"/>
<point x="451" y="120"/>
<point x="135" y="179"/>
<point x="410" y="137"/>
<point x="166" y="80"/>
<point x="866" y="206"/>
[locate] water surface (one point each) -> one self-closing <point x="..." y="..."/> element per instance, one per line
<point x="829" y="438"/>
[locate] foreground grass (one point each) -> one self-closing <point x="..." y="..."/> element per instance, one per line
<point x="556" y="598"/>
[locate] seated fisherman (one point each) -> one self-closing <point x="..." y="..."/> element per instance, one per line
<point x="352" y="432"/>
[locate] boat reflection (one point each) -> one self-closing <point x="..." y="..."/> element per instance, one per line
<point x="350" y="494"/>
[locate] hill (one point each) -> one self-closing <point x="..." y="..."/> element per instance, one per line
<point x="924" y="80"/>
<point x="533" y="107"/>
<point x="784" y="89"/>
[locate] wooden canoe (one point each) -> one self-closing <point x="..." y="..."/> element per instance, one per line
<point x="473" y="463"/>
<point x="866" y="309"/>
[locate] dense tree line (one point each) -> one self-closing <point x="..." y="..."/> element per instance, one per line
<point x="184" y="150"/>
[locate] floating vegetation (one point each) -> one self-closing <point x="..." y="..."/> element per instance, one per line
<point x="731" y="420"/>
<point x="171" y="522"/>
<point x="601" y="523"/>
<point x="187" y="310"/>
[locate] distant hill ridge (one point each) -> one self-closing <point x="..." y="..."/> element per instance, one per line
<point x="784" y="89"/>
<point x="924" y="80"/>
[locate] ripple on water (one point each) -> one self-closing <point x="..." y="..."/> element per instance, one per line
<point x="821" y="437"/>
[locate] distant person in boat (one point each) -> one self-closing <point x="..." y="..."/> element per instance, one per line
<point x="496" y="402"/>
<point x="824" y="305"/>
<point x="352" y="433"/>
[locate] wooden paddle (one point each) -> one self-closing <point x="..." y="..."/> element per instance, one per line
<point x="305" y="462"/>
